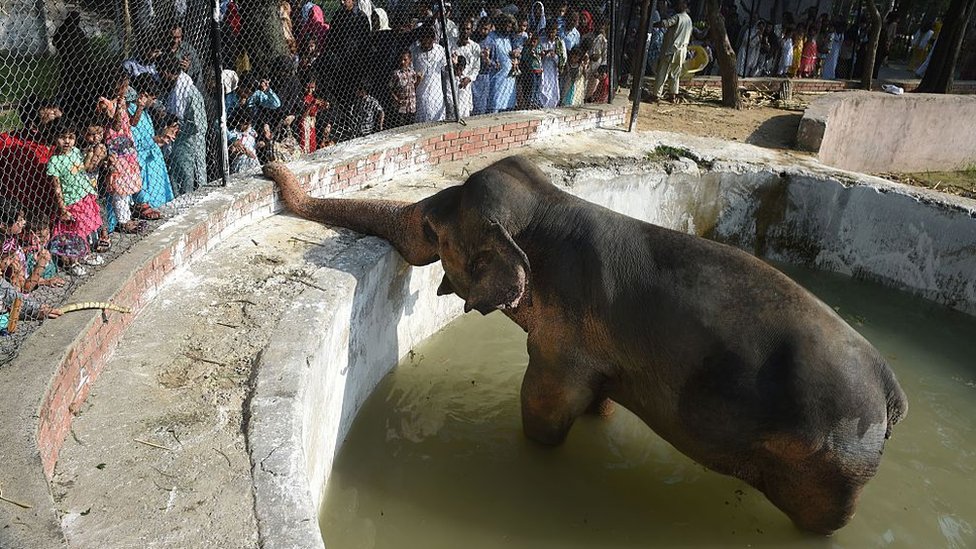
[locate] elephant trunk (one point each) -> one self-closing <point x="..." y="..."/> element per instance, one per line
<point x="400" y="223"/>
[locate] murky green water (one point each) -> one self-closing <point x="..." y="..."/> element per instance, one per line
<point x="437" y="459"/>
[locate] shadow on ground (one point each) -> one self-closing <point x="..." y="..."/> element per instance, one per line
<point x="778" y="132"/>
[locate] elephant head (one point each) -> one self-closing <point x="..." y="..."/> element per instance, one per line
<point x="466" y="227"/>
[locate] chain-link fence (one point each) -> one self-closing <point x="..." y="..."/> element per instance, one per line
<point x="111" y="111"/>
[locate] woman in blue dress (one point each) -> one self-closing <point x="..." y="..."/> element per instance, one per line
<point x="502" y="93"/>
<point x="156" y="187"/>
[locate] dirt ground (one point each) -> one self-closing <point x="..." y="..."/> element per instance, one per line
<point x="759" y="123"/>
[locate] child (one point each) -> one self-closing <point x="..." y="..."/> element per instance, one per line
<point x="41" y="268"/>
<point x="77" y="198"/>
<point x="533" y="52"/>
<point x="366" y="112"/>
<point x="786" y="51"/>
<point x="403" y="90"/>
<point x="95" y="156"/>
<point x="13" y="260"/>
<point x="306" y="125"/>
<point x="30" y="309"/>
<point x="242" y="145"/>
<point x="602" y="92"/>
<point x="518" y="40"/>
<point x="798" y="39"/>
<point x="574" y="81"/>
<point x="124" y="177"/>
<point x="808" y="59"/>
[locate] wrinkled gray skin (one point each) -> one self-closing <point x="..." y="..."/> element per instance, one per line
<point x="723" y="356"/>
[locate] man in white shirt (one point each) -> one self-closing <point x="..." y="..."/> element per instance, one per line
<point x="471" y="51"/>
<point x="674" y="50"/>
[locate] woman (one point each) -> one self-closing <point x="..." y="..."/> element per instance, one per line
<point x="188" y="156"/>
<point x="656" y="37"/>
<point x="156" y="187"/>
<point x="501" y="96"/>
<point x="553" y="62"/>
<point x="537" y="19"/>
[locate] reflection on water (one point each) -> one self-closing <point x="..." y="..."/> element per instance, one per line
<point x="437" y="459"/>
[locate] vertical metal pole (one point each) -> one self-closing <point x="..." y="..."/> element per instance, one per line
<point x="613" y="50"/>
<point x="638" y="69"/>
<point x="745" y="62"/>
<point x="217" y="61"/>
<point x="450" y="63"/>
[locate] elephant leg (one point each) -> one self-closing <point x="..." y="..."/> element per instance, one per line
<point x="555" y="391"/>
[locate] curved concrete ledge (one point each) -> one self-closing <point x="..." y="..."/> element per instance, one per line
<point x="57" y="366"/>
<point x="311" y="382"/>
<point x="879" y="132"/>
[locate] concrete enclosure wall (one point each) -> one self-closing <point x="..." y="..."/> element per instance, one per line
<point x="310" y="385"/>
<point x="878" y="132"/>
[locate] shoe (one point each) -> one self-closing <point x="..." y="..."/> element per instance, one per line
<point x="94" y="260"/>
<point x="77" y="270"/>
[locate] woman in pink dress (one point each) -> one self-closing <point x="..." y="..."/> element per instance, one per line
<point x="808" y="60"/>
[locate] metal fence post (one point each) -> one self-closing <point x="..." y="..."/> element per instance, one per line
<point x="450" y="64"/>
<point x="638" y="69"/>
<point x="612" y="69"/>
<point x="216" y="58"/>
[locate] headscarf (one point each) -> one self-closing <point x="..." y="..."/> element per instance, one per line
<point x="383" y="20"/>
<point x="537" y="26"/>
<point x="365" y="7"/>
<point x="307" y="7"/>
<point x="586" y="22"/>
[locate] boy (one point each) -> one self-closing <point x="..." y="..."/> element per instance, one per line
<point x="366" y="112"/>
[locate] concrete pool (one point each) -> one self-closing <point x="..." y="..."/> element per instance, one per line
<point x="311" y="383"/>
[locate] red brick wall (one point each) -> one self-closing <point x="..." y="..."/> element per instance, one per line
<point x="83" y="361"/>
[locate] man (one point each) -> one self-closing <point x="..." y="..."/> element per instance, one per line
<point x="471" y="52"/>
<point x="188" y="156"/>
<point x="429" y="60"/>
<point x="187" y="54"/>
<point x="674" y="50"/>
<point x="346" y="46"/>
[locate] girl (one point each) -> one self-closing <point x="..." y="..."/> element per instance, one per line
<point x="243" y="146"/>
<point x="798" y="39"/>
<point x="77" y="197"/>
<point x="808" y="60"/>
<point x="574" y="82"/>
<point x="306" y="126"/>
<point x="786" y="52"/>
<point x="41" y="268"/>
<point x="124" y="177"/>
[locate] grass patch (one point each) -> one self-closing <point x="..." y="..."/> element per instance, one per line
<point x="21" y="75"/>
<point x="960" y="183"/>
<point x="663" y="153"/>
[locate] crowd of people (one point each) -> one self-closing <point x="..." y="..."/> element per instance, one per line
<point x="119" y="141"/>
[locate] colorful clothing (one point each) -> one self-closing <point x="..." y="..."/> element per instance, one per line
<point x="306" y="126"/>
<point x="125" y="177"/>
<point x="403" y="88"/>
<point x="156" y="187"/>
<point x="808" y="60"/>
<point x="70" y="170"/>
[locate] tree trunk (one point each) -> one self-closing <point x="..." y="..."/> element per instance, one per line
<point x="940" y="73"/>
<point x="724" y="54"/>
<point x="261" y="33"/>
<point x="872" y="12"/>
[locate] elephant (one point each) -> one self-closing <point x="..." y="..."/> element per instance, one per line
<point x="726" y="358"/>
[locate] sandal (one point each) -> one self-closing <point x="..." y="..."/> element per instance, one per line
<point x="104" y="245"/>
<point x="132" y="227"/>
<point x="145" y="211"/>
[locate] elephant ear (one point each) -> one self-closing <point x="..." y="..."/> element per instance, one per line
<point x="499" y="273"/>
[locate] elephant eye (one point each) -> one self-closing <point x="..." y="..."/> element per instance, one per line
<point x="478" y="265"/>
